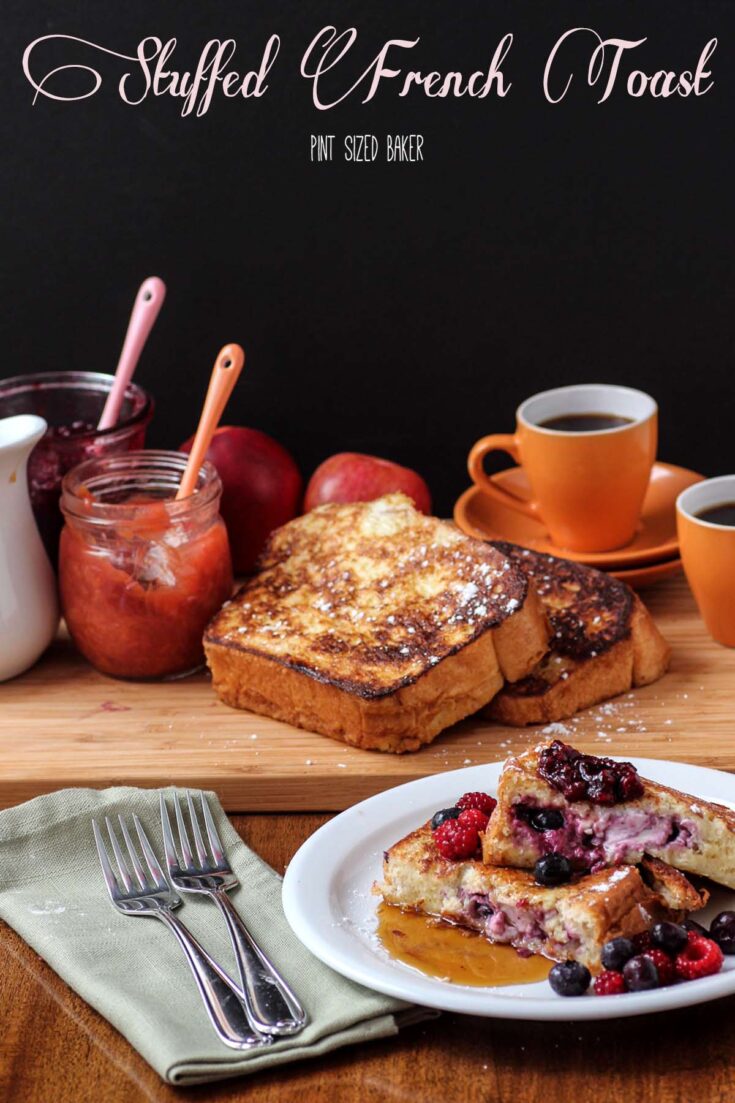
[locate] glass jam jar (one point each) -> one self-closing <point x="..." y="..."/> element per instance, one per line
<point x="140" y="573"/>
<point x="71" y="402"/>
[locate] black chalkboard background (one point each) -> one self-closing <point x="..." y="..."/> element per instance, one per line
<point x="403" y="310"/>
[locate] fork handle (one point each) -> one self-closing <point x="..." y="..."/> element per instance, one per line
<point x="221" y="998"/>
<point x="271" y="1005"/>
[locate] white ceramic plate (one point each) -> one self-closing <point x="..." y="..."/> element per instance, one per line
<point x="329" y="905"/>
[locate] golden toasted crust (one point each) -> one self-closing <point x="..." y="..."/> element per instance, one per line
<point x="671" y="886"/>
<point x="571" y="921"/>
<point x="397" y="722"/>
<point x="604" y="641"/>
<point x="692" y="835"/>
<point x="373" y="624"/>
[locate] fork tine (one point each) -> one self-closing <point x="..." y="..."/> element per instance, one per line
<point x="137" y="867"/>
<point x="198" y="840"/>
<point x="107" y="873"/>
<point x="124" y="871"/>
<point x="172" y="859"/>
<point x="150" y="856"/>
<point x="184" y="846"/>
<point x="214" y="840"/>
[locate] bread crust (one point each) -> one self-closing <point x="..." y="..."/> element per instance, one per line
<point x="375" y="625"/>
<point x="404" y="720"/>
<point x="604" y="642"/>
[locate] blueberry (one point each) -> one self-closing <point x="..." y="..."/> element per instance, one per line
<point x="445" y="814"/>
<point x="547" y="819"/>
<point x="722" y="930"/>
<point x="552" y="869"/>
<point x="569" y="978"/>
<point x="669" y="937"/>
<point x="616" y="952"/>
<point x="695" y="928"/>
<point x="640" y="974"/>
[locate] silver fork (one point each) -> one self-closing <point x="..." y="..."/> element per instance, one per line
<point x="271" y="1005"/>
<point x="153" y="896"/>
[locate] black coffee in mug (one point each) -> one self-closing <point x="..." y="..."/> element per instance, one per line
<point x="723" y="514"/>
<point x="585" y="423"/>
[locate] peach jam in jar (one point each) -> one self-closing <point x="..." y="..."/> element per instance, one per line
<point x="140" y="573"/>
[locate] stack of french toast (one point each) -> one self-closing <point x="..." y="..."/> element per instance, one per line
<point x="376" y="625"/>
<point x="578" y="850"/>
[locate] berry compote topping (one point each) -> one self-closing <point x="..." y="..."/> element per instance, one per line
<point x="586" y="777"/>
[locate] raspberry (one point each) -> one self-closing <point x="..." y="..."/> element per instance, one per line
<point x="483" y="801"/>
<point x="642" y="942"/>
<point x="456" y="840"/>
<point x="664" y="964"/>
<point x="473" y="817"/>
<point x="701" y="958"/>
<point x="610" y="983"/>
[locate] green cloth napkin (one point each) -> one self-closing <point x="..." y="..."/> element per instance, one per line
<point x="133" y="971"/>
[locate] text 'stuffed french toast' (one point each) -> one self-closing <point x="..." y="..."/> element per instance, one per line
<point x="376" y="625"/>
<point x="506" y="905"/>
<point x="691" y="835"/>
<point x="603" y="642"/>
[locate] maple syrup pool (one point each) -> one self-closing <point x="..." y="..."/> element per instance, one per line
<point x="452" y="953"/>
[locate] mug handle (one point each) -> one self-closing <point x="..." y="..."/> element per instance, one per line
<point x="498" y="442"/>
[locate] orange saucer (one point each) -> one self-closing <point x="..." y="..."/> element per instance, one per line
<point x="638" y="577"/>
<point x="479" y="515"/>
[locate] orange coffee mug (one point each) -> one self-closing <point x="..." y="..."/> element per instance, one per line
<point x="588" y="451"/>
<point x="708" y="554"/>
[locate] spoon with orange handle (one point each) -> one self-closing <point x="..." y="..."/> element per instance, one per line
<point x="148" y="302"/>
<point x="225" y="372"/>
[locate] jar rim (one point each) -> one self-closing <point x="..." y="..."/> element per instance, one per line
<point x="83" y="380"/>
<point x="149" y="468"/>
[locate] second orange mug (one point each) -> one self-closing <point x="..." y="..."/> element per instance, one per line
<point x="588" y="485"/>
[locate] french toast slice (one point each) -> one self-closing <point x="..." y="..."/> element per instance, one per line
<point x="373" y="624"/>
<point x="506" y="905"/>
<point x="692" y="835"/>
<point x="603" y="642"/>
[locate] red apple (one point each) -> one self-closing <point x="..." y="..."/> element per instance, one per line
<point x="352" y="477"/>
<point x="261" y="488"/>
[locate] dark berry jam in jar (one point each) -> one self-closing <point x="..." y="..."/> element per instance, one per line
<point x="71" y="402"/>
<point x="142" y="574"/>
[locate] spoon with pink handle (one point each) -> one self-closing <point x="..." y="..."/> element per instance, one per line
<point x="148" y="302"/>
<point x="225" y="372"/>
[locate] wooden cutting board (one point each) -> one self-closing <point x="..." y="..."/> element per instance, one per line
<point x="62" y="724"/>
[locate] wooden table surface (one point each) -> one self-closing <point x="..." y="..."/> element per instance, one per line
<point x="62" y="724"/>
<point x="55" y="1049"/>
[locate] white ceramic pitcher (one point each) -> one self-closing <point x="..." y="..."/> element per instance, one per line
<point x="29" y="607"/>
